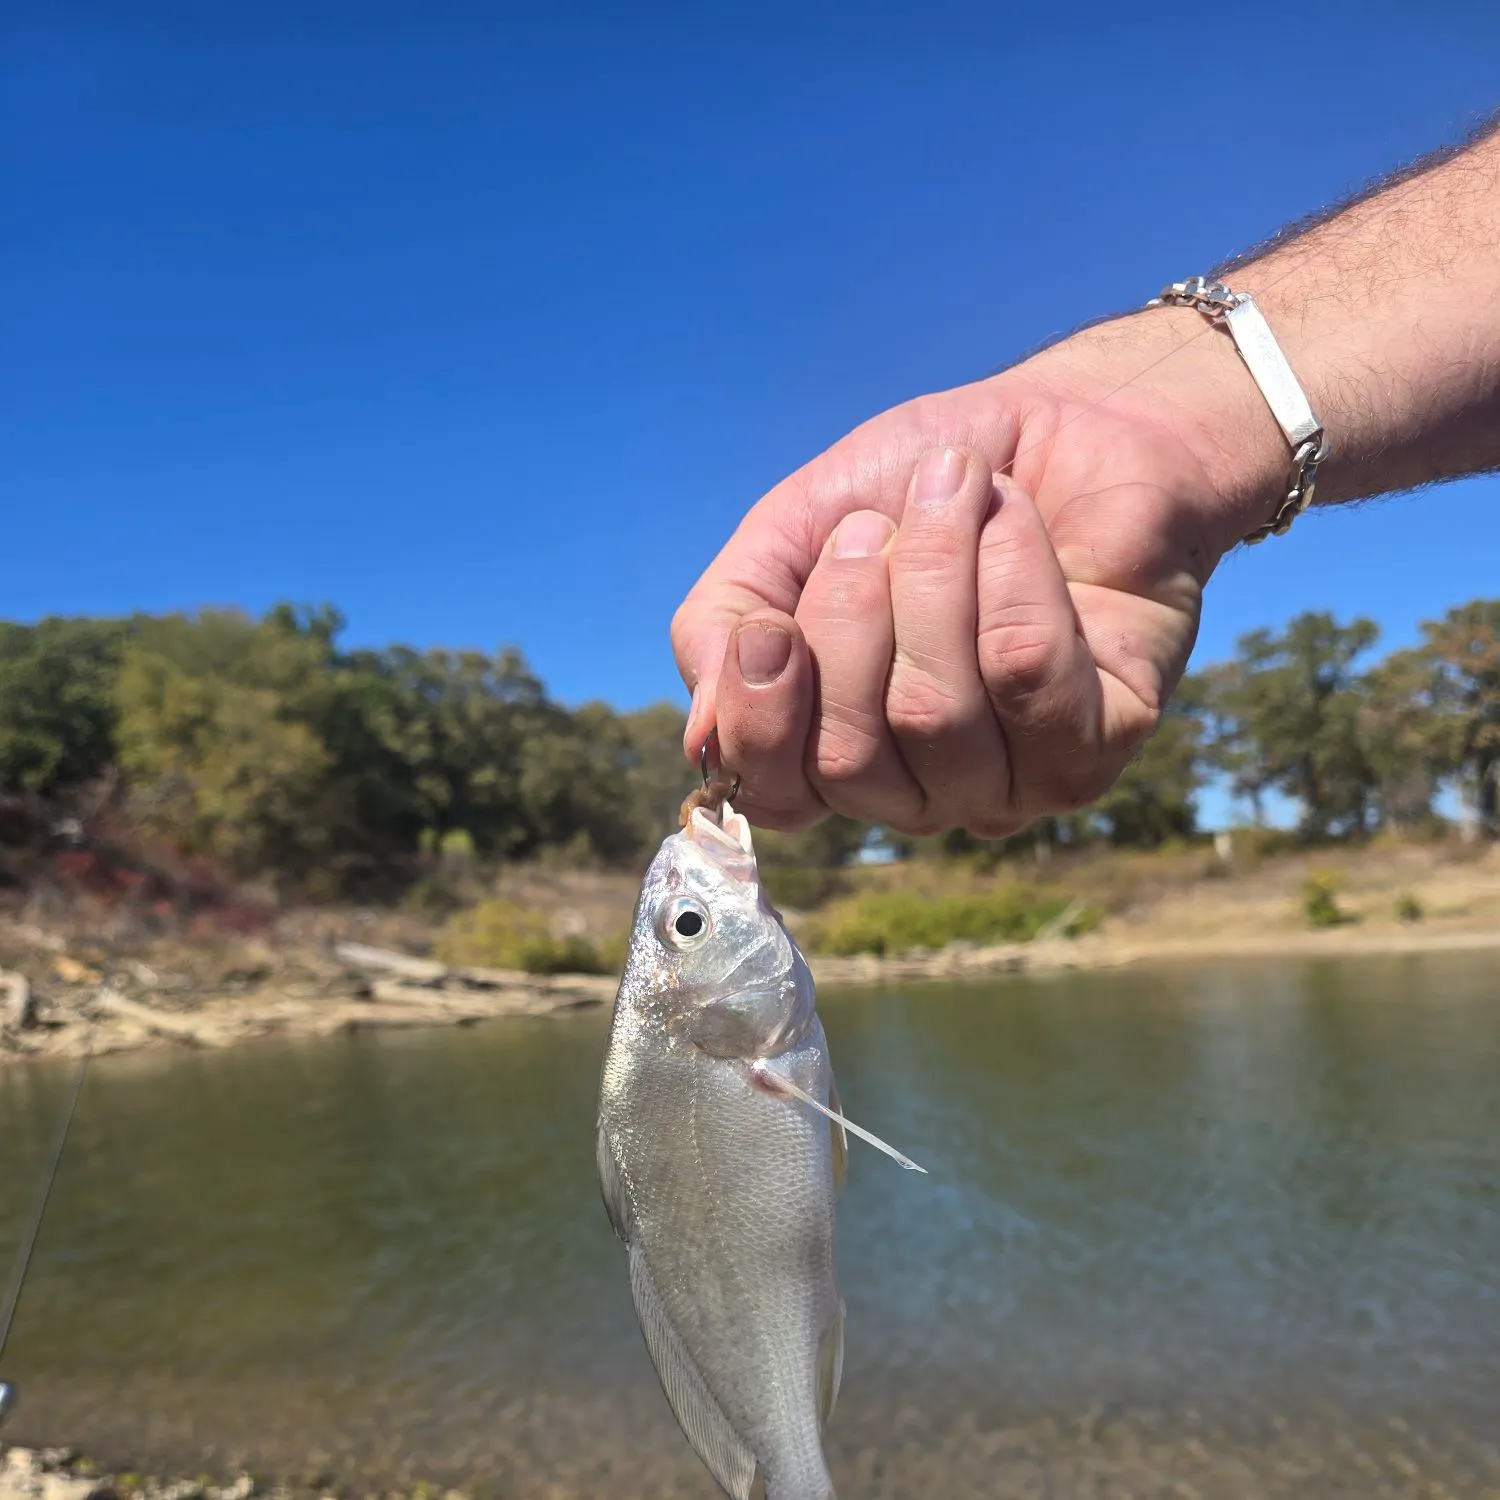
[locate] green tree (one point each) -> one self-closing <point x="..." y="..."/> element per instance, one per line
<point x="57" y="703"/>
<point x="1464" y="649"/>
<point x="1285" y="714"/>
<point x="213" y="736"/>
<point x="1155" y="796"/>
<point x="1230" y="712"/>
<point x="1408" y="741"/>
<point x="658" y="774"/>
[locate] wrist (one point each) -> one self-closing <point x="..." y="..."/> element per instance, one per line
<point x="1171" y="368"/>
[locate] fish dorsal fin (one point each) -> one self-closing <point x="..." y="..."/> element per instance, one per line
<point x="698" y="1414"/>
<point x="830" y="1366"/>
<point x="612" y="1187"/>
<point x="840" y="1138"/>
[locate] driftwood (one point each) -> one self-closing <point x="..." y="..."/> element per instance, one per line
<point x="595" y="987"/>
<point x="417" y="970"/>
<point x="165" y="1023"/>
<point x="422" y="981"/>
<point x="358" y="1017"/>
<point x="17" y="1007"/>
<point x="522" y="1000"/>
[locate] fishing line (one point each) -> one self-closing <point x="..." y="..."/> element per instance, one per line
<point x="38" y="1213"/>
<point x="33" y="1231"/>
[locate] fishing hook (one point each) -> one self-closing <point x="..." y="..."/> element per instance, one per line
<point x="719" y="786"/>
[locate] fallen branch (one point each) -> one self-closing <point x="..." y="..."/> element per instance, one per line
<point x="19" y="1011"/>
<point x="163" y="1023"/>
<point x="594" y="988"/>
<point x="417" y="970"/>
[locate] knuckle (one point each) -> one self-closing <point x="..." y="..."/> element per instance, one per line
<point x="1019" y="659"/>
<point x="932" y="549"/>
<point x="842" y="755"/>
<point x="853" y="595"/>
<point x="917" y="707"/>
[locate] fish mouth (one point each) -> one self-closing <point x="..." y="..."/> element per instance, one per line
<point x="727" y="843"/>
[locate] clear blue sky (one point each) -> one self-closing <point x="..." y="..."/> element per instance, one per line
<point x="488" y="330"/>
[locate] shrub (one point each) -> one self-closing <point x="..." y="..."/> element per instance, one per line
<point x="1320" y="900"/>
<point x="887" y="922"/>
<point x="802" y="887"/>
<point x="1408" y="908"/>
<point x="499" y="934"/>
<point x="613" y="951"/>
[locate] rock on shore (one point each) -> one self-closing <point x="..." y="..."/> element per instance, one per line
<point x="60" y="1474"/>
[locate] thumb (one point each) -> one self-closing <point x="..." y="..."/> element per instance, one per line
<point x="701" y="631"/>
<point x="762" y="567"/>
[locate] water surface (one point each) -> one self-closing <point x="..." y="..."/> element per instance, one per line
<point x="1228" y="1230"/>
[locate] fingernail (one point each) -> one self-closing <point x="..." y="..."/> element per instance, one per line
<point x="940" y="476"/>
<point x="862" y="534"/>
<point x="764" y="651"/>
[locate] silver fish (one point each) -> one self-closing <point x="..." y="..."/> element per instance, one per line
<point x="719" y="1169"/>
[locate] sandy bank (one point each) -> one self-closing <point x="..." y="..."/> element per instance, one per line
<point x="378" y="990"/>
<point x="360" y="989"/>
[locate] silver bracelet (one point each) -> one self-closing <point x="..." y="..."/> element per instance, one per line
<point x="1237" y="313"/>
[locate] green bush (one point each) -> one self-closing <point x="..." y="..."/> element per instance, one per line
<point x="1320" y="901"/>
<point x="499" y="934"/>
<point x="614" y="950"/>
<point x="887" y="922"/>
<point x="1408" y="908"/>
<point x="802" y="887"/>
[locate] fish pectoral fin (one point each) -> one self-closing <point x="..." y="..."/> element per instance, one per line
<point x="612" y="1186"/>
<point x="772" y="1081"/>
<point x="830" y="1366"/>
<point x="698" y="1414"/>
<point x="839" y="1136"/>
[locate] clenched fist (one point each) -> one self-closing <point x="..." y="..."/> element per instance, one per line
<point x="971" y="611"/>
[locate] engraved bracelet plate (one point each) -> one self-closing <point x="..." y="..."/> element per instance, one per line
<point x="1258" y="348"/>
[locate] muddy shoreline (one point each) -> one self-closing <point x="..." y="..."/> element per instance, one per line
<point x="357" y="988"/>
<point x="1115" y="1451"/>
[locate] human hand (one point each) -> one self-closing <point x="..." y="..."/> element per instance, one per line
<point x="970" y="612"/>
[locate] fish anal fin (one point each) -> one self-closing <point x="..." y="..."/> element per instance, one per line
<point x="698" y="1414"/>
<point x="840" y="1139"/>
<point x="612" y="1186"/>
<point x="830" y="1366"/>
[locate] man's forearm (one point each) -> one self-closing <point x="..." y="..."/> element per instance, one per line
<point x="1388" y="312"/>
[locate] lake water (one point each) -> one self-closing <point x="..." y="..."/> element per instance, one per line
<point x="1220" y="1231"/>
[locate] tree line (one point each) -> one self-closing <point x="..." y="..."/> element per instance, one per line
<point x="271" y="749"/>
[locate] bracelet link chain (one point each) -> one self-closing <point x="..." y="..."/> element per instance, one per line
<point x="1238" y="315"/>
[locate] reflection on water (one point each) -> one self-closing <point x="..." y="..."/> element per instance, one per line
<point x="1233" y="1228"/>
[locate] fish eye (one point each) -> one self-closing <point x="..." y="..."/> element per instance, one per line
<point x="683" y="923"/>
